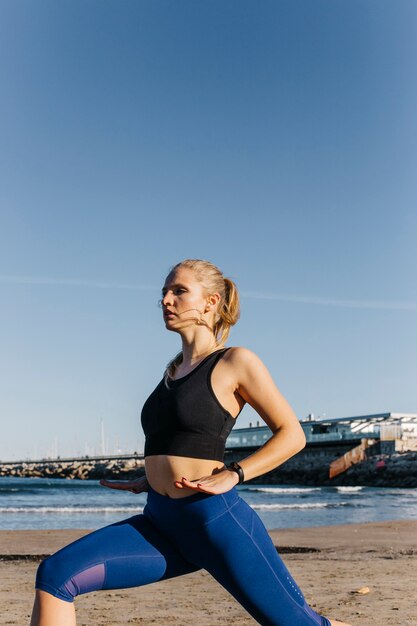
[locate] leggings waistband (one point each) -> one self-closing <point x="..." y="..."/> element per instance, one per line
<point x="199" y="508"/>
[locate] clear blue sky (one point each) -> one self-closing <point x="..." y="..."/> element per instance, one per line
<point x="277" y="139"/>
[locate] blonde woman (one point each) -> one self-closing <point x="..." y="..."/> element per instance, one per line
<point x="194" y="517"/>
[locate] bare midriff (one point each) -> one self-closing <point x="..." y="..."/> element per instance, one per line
<point x="163" y="470"/>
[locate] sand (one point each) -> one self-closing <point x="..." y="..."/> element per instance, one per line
<point x="330" y="563"/>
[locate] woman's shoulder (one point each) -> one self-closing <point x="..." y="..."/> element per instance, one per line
<point x="243" y="358"/>
<point x="240" y="352"/>
<point x="245" y="368"/>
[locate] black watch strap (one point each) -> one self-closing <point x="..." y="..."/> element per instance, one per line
<point x="235" y="467"/>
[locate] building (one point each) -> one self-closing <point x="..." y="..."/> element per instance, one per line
<point x="398" y="427"/>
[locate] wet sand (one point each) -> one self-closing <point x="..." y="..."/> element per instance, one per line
<point x="330" y="564"/>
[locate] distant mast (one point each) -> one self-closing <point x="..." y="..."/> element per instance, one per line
<point x="103" y="444"/>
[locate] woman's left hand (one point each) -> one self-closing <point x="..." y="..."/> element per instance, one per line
<point x="216" y="483"/>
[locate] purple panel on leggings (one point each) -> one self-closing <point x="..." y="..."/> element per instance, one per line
<point x="90" y="579"/>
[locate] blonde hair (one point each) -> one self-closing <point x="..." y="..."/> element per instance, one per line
<point x="228" y="309"/>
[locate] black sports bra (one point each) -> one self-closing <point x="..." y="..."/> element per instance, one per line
<point x="187" y="419"/>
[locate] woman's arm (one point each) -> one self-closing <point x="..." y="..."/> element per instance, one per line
<point x="256" y="386"/>
<point x="253" y="382"/>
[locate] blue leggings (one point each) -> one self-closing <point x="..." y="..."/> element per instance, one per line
<point x="176" y="536"/>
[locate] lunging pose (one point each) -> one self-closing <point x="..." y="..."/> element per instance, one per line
<point x="194" y="517"/>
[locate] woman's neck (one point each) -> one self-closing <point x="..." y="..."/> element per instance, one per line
<point x="192" y="353"/>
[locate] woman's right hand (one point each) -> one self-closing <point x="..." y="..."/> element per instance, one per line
<point x="135" y="486"/>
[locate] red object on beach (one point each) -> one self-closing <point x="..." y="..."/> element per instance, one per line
<point x="380" y="464"/>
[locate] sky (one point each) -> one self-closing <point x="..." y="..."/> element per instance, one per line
<point x="277" y="139"/>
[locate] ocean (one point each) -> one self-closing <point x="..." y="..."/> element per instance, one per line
<point x="37" y="503"/>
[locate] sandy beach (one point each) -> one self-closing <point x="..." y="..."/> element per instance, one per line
<point x="330" y="563"/>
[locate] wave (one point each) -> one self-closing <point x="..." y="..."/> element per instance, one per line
<point x="288" y="490"/>
<point x="342" y="489"/>
<point x="71" y="509"/>
<point x="311" y="505"/>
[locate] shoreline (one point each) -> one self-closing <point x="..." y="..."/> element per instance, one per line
<point x="330" y="564"/>
<point x="397" y="469"/>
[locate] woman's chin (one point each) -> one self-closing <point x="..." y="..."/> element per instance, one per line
<point x="169" y="326"/>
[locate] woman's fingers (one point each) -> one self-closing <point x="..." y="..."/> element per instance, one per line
<point x="135" y="487"/>
<point x="180" y="484"/>
<point x="214" y="484"/>
<point x="113" y="484"/>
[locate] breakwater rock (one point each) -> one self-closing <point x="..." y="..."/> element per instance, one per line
<point x="394" y="470"/>
<point x="123" y="469"/>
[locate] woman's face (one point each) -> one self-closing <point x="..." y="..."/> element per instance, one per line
<point x="183" y="300"/>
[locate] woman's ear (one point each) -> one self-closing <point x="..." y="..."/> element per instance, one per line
<point x="213" y="300"/>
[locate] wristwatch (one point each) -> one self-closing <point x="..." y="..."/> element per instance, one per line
<point x="235" y="467"/>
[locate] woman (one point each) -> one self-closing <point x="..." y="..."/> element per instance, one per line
<point x="194" y="517"/>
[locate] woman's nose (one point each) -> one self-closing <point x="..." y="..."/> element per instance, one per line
<point x="167" y="299"/>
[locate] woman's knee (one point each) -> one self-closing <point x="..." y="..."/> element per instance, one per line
<point x="56" y="576"/>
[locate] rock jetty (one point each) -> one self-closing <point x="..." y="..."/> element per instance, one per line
<point x="123" y="469"/>
<point x="394" y="470"/>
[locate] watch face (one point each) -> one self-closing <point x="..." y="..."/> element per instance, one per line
<point x="235" y="467"/>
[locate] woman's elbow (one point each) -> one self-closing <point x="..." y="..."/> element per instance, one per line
<point x="300" y="439"/>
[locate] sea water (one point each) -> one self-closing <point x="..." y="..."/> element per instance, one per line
<point x="36" y="503"/>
